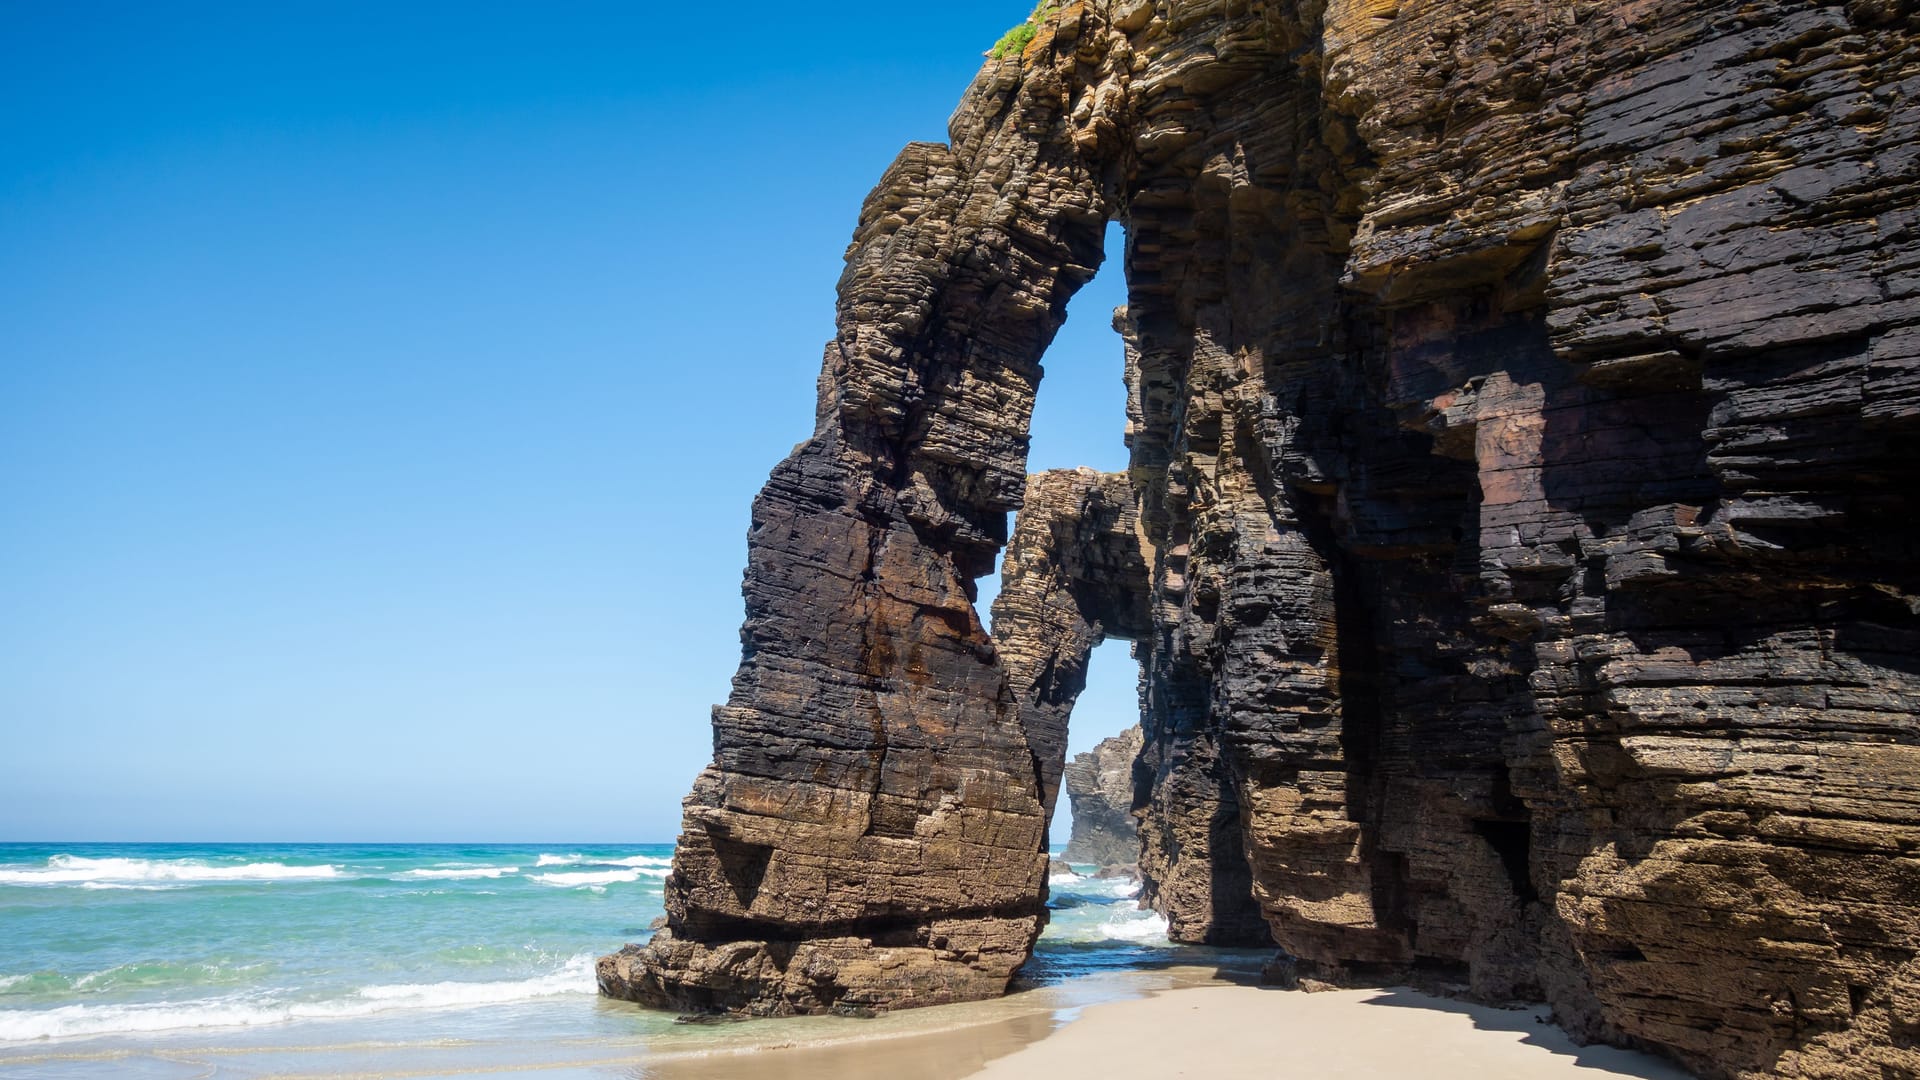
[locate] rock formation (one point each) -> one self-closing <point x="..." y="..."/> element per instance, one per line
<point x="1100" y="788"/>
<point x="1075" y="572"/>
<point x="872" y="829"/>
<point x="1525" y="426"/>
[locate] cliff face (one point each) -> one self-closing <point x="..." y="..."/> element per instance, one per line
<point x="1100" y="788"/>
<point x="1526" y="399"/>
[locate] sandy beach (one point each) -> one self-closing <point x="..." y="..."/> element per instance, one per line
<point x="1242" y="1031"/>
<point x="1216" y="1031"/>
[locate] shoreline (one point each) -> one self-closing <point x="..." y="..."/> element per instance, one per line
<point x="1188" y="1019"/>
<point x="1201" y="1024"/>
<point x="548" y="1039"/>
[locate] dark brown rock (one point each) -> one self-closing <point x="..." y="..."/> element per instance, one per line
<point x="1525" y="416"/>
<point x="872" y="829"/>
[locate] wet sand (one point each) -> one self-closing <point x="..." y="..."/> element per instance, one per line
<point x="942" y="1055"/>
<point x="948" y="1042"/>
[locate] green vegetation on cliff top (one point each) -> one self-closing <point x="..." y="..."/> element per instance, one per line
<point x="1015" y="40"/>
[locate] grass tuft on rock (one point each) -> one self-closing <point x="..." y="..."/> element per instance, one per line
<point x="1014" y="42"/>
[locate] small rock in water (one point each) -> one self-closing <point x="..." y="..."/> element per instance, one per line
<point x="711" y="1018"/>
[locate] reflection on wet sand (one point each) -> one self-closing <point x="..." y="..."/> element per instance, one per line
<point x="939" y="1055"/>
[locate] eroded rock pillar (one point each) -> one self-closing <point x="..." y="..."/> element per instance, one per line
<point x="871" y="831"/>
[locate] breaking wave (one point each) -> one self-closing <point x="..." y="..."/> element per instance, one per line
<point x="462" y="873"/>
<point x="597" y="877"/>
<point x="597" y="860"/>
<point x="574" y="977"/>
<point x="127" y="873"/>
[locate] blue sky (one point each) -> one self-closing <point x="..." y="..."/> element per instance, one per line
<point x="383" y="388"/>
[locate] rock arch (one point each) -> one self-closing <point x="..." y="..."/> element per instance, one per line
<point x="1523" y="443"/>
<point x="872" y="829"/>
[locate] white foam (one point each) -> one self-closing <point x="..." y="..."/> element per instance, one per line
<point x="1063" y="879"/>
<point x="595" y="877"/>
<point x="74" y="870"/>
<point x="1135" y="926"/>
<point x="575" y="860"/>
<point x="11" y="980"/>
<point x="462" y="873"/>
<point x="1119" y="888"/>
<point x="128" y="885"/>
<point x="575" y="977"/>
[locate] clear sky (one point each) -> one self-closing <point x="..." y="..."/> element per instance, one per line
<point x="383" y="388"/>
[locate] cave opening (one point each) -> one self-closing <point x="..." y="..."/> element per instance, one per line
<point x="1510" y="841"/>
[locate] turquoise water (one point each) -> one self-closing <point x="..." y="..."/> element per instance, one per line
<point x="142" y="945"/>
<point x="100" y="939"/>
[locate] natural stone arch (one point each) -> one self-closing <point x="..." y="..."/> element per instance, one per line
<point x="1076" y="573"/>
<point x="1523" y="432"/>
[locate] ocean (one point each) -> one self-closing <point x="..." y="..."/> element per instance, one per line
<point x="153" y="960"/>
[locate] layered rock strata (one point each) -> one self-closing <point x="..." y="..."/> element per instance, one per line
<point x="871" y="831"/>
<point x="1100" y="791"/>
<point x="1524" y="418"/>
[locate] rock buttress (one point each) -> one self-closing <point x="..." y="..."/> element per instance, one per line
<point x="1525" y="421"/>
<point x="1075" y="573"/>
